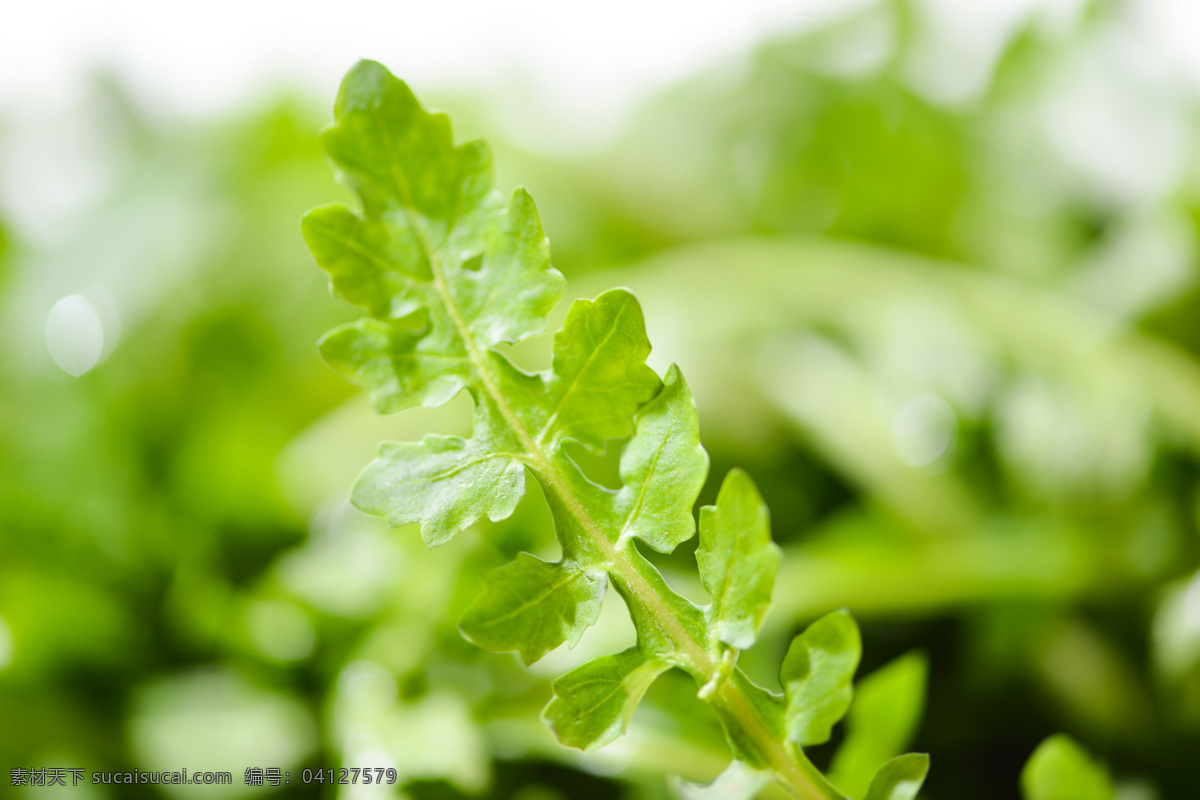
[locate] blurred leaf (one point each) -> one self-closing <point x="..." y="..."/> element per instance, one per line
<point x="882" y="722"/>
<point x="1062" y="770"/>
<point x="737" y="782"/>
<point x="213" y="719"/>
<point x="900" y="778"/>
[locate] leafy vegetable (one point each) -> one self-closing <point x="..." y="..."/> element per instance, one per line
<point x="447" y="270"/>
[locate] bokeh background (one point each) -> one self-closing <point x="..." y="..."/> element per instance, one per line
<point x="930" y="268"/>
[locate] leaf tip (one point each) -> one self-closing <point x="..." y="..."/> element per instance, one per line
<point x="1061" y="769"/>
<point x="738" y="480"/>
<point x="363" y="85"/>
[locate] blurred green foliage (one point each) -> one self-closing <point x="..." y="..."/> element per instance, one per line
<point x="953" y="341"/>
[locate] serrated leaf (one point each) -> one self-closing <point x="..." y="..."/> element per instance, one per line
<point x="446" y="483"/>
<point x="432" y="226"/>
<point x="434" y="242"/>
<point x="899" y="779"/>
<point x="507" y="297"/>
<point x="882" y="722"/>
<point x="1062" y="770"/>
<point x="531" y="607"/>
<point x="433" y="234"/>
<point x="593" y="703"/>
<point x="737" y="560"/>
<point x="817" y="677"/>
<point x="600" y="377"/>
<point x="662" y="469"/>
<point x="393" y="364"/>
<point x="737" y="782"/>
<point x="398" y="157"/>
<point x="366" y="265"/>
<point x="432" y="237"/>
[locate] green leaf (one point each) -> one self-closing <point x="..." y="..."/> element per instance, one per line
<point x="737" y="782"/>
<point x="663" y="469"/>
<point x="447" y="271"/>
<point x="1062" y="770"/>
<point x="899" y="779"/>
<point x="531" y="607"/>
<point x="507" y="298"/>
<point x="366" y="265"/>
<point x="432" y="225"/>
<point x="817" y="676"/>
<point x="882" y="722"/>
<point x="593" y="703"/>
<point x="445" y="482"/>
<point x="600" y="377"/>
<point x="393" y="365"/>
<point x="737" y="560"/>
<point x="432" y="237"/>
<point x="397" y="157"/>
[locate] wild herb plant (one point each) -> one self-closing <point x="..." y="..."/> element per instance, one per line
<point x="448" y="269"/>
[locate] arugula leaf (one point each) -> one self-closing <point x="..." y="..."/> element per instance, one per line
<point x="446" y="483"/>
<point x="385" y="358"/>
<point x="593" y="703"/>
<point x="662" y="469"/>
<point x="446" y="271"/>
<point x="600" y="377"/>
<point x="429" y="214"/>
<point x="429" y="210"/>
<point x="816" y="675"/>
<point x="1062" y="770"/>
<point x="532" y="607"/>
<point x="737" y="560"/>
